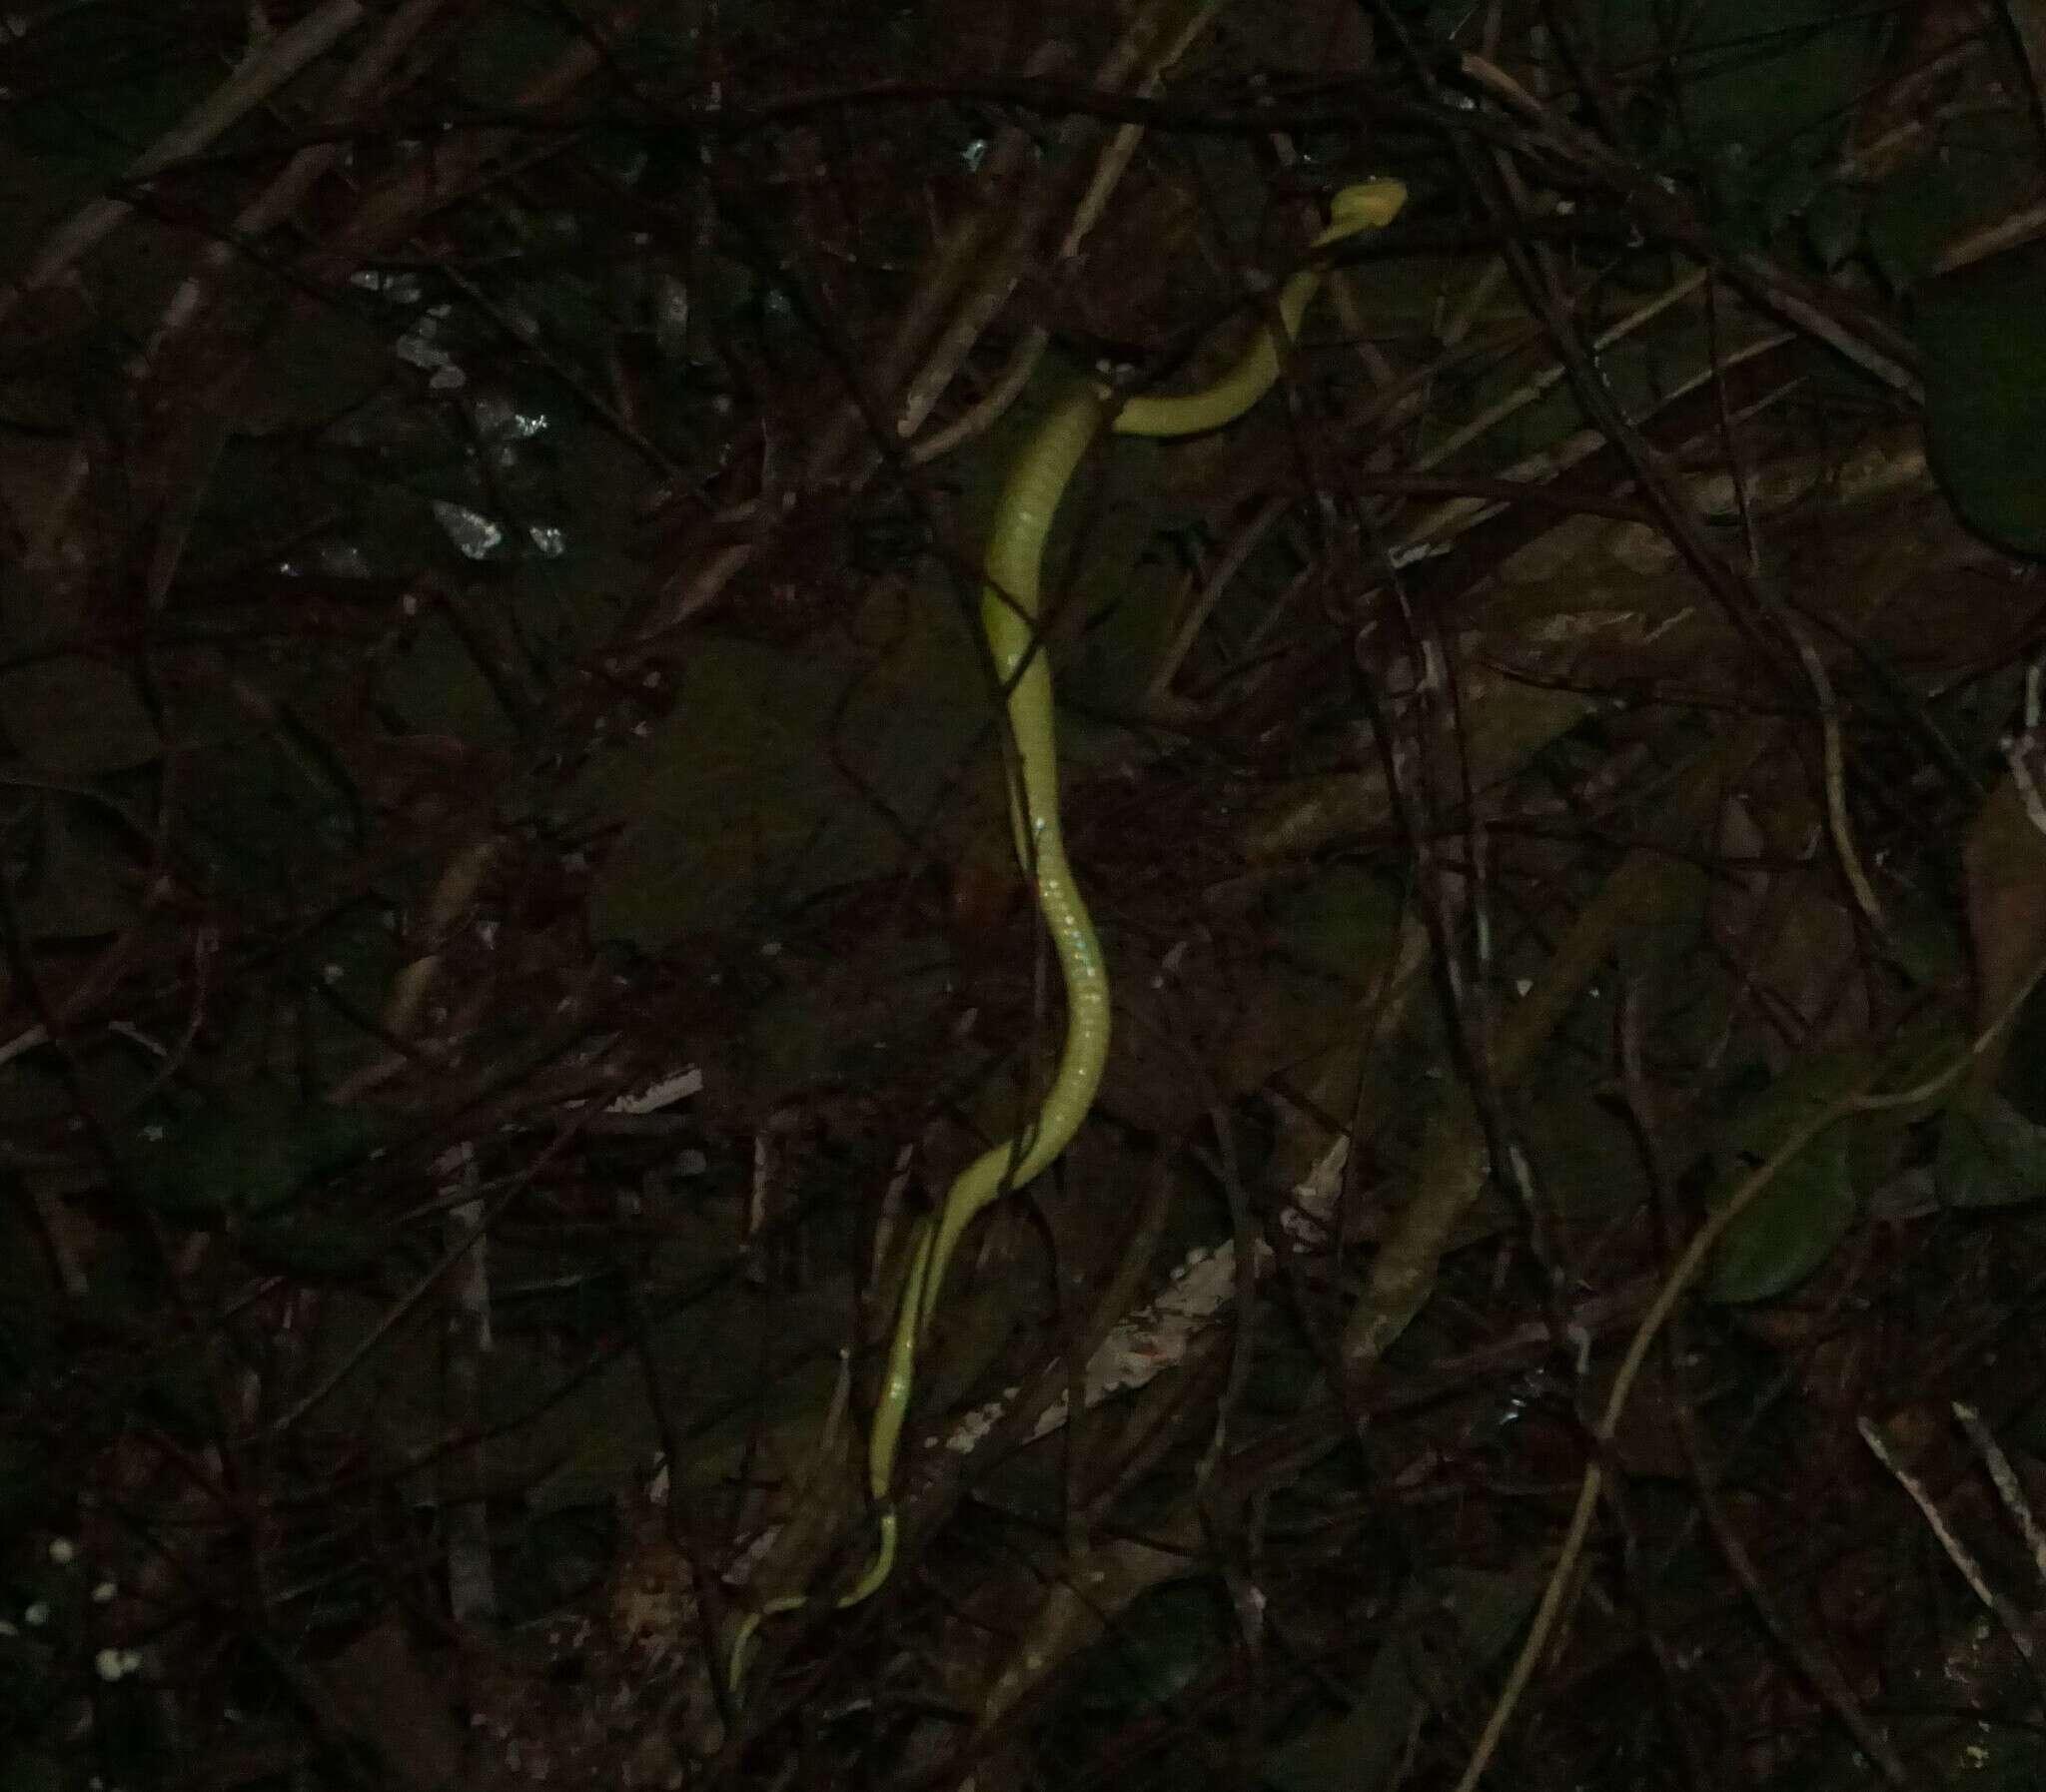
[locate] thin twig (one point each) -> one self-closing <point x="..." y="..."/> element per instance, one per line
<point x="1957" y="1552"/>
<point x="255" y="78"/>
<point x="2008" y="1489"/>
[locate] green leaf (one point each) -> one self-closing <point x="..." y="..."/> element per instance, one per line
<point x="1345" y="921"/>
<point x="1792" y="1227"/>
<point x="1591" y="1157"/>
<point x="494" y="64"/>
<point x="24" y="1493"/>
<point x="1833" y="223"/>
<point x="1908" y="218"/>
<point x="1927" y="946"/>
<point x="329" y="361"/>
<point x="248" y="1151"/>
<point x="27" y="1771"/>
<point x="1424" y="1660"/>
<point x="317" y="1248"/>
<point x="1990" y="1155"/>
<point x="175" y="1386"/>
<point x="78" y="887"/>
<point x="77" y="718"/>
<point x="837" y="1022"/>
<point x="1762" y="90"/>
<point x="1974" y="170"/>
<point x="1984" y="336"/>
<point x="1165" y="1641"/>
<point x="1795" y="1223"/>
<point x="723" y="798"/>
<point x="779" y="773"/>
<point x="585" y="1447"/>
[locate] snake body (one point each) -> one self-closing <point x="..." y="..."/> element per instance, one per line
<point x="1009" y="615"/>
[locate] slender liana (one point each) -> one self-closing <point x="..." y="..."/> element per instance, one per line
<point x="1009" y="614"/>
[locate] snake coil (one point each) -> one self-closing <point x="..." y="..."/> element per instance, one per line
<point x="1009" y="615"/>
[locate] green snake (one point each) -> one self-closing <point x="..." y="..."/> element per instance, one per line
<point x="1009" y="615"/>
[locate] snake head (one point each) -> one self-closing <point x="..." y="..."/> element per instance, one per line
<point x="1369" y="205"/>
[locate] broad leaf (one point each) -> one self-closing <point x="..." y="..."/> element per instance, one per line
<point x="1990" y="1155"/>
<point x="1984" y="336"/>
